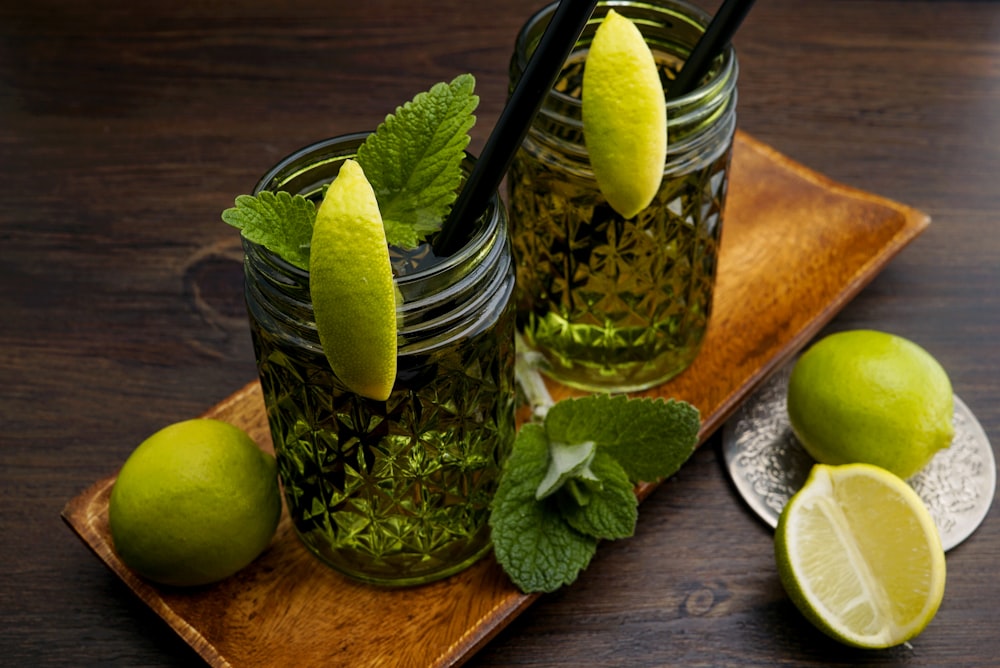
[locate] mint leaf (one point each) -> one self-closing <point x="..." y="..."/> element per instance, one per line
<point x="413" y="162"/>
<point x="611" y="508"/>
<point x="537" y="549"/>
<point x="277" y="221"/>
<point x="650" y="438"/>
<point x="398" y="233"/>
<point x="569" y="482"/>
<point x="413" y="159"/>
<point x="565" y="462"/>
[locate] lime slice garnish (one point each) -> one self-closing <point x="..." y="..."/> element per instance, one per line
<point x="624" y="116"/>
<point x="351" y="284"/>
<point x="860" y="555"/>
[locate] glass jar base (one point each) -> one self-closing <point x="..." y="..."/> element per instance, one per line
<point x="389" y="576"/>
<point x="616" y="378"/>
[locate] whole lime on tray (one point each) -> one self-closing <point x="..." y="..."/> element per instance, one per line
<point x="194" y="503"/>
<point x="874" y="397"/>
<point x="860" y="556"/>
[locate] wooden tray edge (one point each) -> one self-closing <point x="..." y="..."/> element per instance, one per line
<point x="79" y="514"/>
<point x="914" y="223"/>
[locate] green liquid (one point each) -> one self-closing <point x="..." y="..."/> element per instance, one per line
<point x="393" y="492"/>
<point x="611" y="303"/>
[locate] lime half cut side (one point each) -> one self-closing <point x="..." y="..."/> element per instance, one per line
<point x="860" y="556"/>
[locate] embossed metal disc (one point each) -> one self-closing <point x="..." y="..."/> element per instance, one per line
<point x="768" y="465"/>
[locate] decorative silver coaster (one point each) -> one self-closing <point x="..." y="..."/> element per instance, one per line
<point x="768" y="465"/>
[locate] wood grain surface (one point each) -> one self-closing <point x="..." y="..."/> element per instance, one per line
<point x="126" y="127"/>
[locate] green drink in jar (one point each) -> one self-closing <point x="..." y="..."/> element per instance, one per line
<point x="614" y="303"/>
<point x="392" y="491"/>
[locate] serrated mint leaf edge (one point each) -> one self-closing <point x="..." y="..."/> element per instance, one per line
<point x="420" y="197"/>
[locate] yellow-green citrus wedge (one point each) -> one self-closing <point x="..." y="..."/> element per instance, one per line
<point x="860" y="556"/>
<point x="624" y="116"/>
<point x="194" y="503"/>
<point x="350" y="281"/>
<point x="873" y="397"/>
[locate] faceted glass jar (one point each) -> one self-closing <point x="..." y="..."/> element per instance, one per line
<point x="610" y="303"/>
<point x="392" y="492"/>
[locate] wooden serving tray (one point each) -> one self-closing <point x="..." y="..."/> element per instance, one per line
<point x="796" y="248"/>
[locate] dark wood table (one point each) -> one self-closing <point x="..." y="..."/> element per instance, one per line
<point x="125" y="129"/>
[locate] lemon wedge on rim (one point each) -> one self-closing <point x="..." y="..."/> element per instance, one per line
<point x="351" y="285"/>
<point x="624" y="115"/>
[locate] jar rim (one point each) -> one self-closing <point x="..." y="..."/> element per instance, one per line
<point x="725" y="75"/>
<point x="350" y="142"/>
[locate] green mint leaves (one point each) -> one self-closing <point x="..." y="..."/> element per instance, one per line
<point x="645" y="436"/>
<point x="569" y="482"/>
<point x="413" y="162"/>
<point x="277" y="221"/>
<point x="531" y="540"/>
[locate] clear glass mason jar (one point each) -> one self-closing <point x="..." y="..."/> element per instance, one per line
<point x="619" y="304"/>
<point x="392" y="492"/>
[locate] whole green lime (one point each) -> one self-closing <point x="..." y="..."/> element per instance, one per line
<point x="196" y="502"/>
<point x="872" y="397"/>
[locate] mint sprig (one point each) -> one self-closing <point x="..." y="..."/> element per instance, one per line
<point x="535" y="546"/>
<point x="413" y="162"/>
<point x="570" y="482"/>
<point x="278" y="221"/>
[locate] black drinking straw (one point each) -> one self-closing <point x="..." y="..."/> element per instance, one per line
<point x="717" y="36"/>
<point x="543" y="67"/>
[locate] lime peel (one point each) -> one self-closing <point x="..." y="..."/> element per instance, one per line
<point x="873" y="397"/>
<point x="624" y="115"/>
<point x="194" y="503"/>
<point x="351" y="285"/>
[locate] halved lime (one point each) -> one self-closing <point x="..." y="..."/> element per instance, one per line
<point x="860" y="556"/>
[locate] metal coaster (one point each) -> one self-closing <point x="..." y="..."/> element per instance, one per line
<point x="768" y="465"/>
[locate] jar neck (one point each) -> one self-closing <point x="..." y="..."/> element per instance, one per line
<point x="443" y="299"/>
<point x="700" y="124"/>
